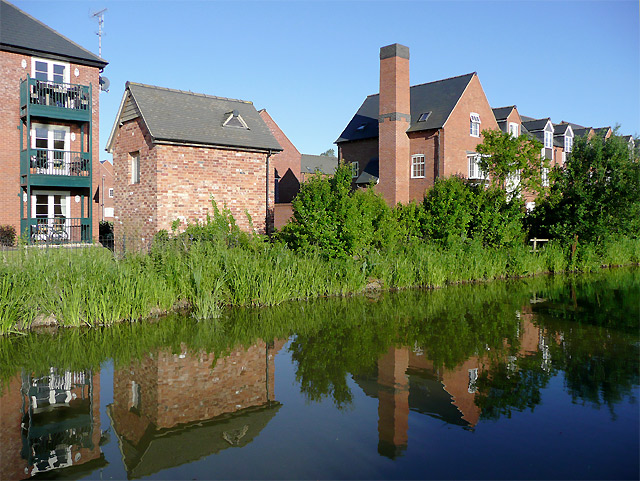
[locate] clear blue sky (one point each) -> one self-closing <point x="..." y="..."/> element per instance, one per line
<point x="311" y="64"/>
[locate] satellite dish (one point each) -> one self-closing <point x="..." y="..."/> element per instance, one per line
<point x="104" y="84"/>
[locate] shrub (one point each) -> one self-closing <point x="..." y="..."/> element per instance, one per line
<point x="7" y="235"/>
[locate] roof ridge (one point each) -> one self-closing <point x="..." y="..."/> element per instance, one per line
<point x="505" y="107"/>
<point x="188" y="92"/>
<point x="433" y="82"/>
<point x="54" y="31"/>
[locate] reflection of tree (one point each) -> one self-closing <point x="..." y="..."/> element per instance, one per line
<point x="511" y="387"/>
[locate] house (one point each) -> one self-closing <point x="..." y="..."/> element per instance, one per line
<point x="325" y="165"/>
<point x="106" y="191"/>
<point x="508" y="119"/>
<point x="405" y="137"/>
<point x="175" y="151"/>
<point x="49" y="190"/>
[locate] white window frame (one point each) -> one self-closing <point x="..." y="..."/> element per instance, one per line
<point x="568" y="143"/>
<point x="355" y="169"/>
<point x="50" y="63"/>
<point x="50" y="136"/>
<point x="544" y="173"/>
<point x="514" y="129"/>
<point x="135" y="167"/>
<point x="474" y="124"/>
<point x="50" y="203"/>
<point x="417" y="166"/>
<point x="475" y="173"/>
<point x="548" y="140"/>
<point x="111" y="193"/>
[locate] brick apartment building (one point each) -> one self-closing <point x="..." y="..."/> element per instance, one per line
<point x="106" y="191"/>
<point x="49" y="118"/>
<point x="174" y="151"/>
<point x="405" y="137"/>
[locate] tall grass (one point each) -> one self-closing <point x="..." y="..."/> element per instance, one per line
<point x="92" y="287"/>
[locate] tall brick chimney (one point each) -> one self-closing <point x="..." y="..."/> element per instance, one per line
<point x="393" y="121"/>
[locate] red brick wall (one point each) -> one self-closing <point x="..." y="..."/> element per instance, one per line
<point x="457" y="139"/>
<point x="11" y="72"/>
<point x="12" y="465"/>
<point x="287" y="162"/>
<point x="393" y="148"/>
<point x="135" y="204"/>
<point x="424" y="143"/>
<point x="106" y="172"/>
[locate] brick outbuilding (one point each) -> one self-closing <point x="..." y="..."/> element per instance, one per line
<point x="175" y="151"/>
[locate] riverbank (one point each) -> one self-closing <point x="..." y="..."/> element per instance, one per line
<point x="93" y="287"/>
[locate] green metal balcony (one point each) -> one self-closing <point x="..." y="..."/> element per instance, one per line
<point x="56" y="231"/>
<point x="55" y="100"/>
<point x="55" y="168"/>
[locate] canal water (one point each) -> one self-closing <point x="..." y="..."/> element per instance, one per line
<point x="528" y="379"/>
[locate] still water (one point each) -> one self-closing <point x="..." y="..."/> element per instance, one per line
<point x="530" y="379"/>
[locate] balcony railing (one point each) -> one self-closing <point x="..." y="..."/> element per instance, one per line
<point x="55" y="162"/>
<point x="49" y="97"/>
<point x="59" y="230"/>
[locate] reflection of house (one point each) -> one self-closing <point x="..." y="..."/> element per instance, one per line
<point x="170" y="409"/>
<point x="407" y="381"/>
<point x="49" y="122"/>
<point x="50" y="423"/>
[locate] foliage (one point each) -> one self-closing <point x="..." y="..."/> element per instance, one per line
<point x="594" y="196"/>
<point x="331" y="219"/>
<point x="504" y="156"/>
<point x="7" y="235"/>
<point x="329" y="153"/>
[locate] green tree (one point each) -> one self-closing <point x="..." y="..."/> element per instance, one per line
<point x="595" y="194"/>
<point x="329" y="153"/>
<point x="512" y="163"/>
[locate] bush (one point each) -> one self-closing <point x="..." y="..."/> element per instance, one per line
<point x="7" y="235"/>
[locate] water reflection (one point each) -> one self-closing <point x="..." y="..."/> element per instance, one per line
<point x="170" y="409"/>
<point x="50" y="423"/>
<point x="438" y="363"/>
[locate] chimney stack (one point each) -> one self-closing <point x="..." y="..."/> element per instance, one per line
<point x="393" y="121"/>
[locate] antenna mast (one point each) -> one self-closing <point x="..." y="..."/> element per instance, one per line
<point x="100" y="16"/>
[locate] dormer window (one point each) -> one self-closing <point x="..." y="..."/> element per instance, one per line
<point x="474" y="127"/>
<point x="235" y="120"/>
<point x="423" y="117"/>
<point x="513" y="129"/>
<point x="568" y="143"/>
<point x="548" y="140"/>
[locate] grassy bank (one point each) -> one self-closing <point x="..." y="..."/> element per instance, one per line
<point x="93" y="287"/>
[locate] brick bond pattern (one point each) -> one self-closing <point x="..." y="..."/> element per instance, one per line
<point x="11" y="72"/>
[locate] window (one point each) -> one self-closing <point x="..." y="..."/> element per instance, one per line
<point x="355" y="169"/>
<point x="361" y="127"/>
<point x="473" y="379"/>
<point x="49" y="70"/>
<point x="423" y="117"/>
<point x="548" y="139"/>
<point x="135" y="167"/>
<point x="545" y="176"/>
<point x="474" y="168"/>
<point x="417" y="166"/>
<point x="235" y="120"/>
<point x="513" y="129"/>
<point x="568" y="143"/>
<point x="111" y="193"/>
<point x="474" y="129"/>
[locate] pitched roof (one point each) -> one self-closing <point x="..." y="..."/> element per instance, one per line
<point x="20" y="32"/>
<point x="534" y="124"/>
<point x="318" y="163"/>
<point x="501" y="113"/>
<point x="560" y="129"/>
<point x="439" y="98"/>
<point x="191" y="118"/>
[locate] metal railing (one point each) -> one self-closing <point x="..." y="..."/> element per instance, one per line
<point x="54" y="94"/>
<point x="59" y="230"/>
<point x="56" y="162"/>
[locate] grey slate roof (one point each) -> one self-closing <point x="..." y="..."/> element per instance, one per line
<point x="534" y="124"/>
<point x="371" y="173"/>
<point x="187" y="117"/>
<point x="20" y="32"/>
<point x="560" y="129"/>
<point x="501" y="113"/>
<point x="310" y="164"/>
<point x="439" y="98"/>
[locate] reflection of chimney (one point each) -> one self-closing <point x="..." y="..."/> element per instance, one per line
<point x="393" y="402"/>
<point x="393" y="121"/>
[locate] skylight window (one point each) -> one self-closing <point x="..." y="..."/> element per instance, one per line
<point x="423" y="117"/>
<point x="235" y="120"/>
<point x="362" y="127"/>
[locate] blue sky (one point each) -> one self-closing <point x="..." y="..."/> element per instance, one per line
<point x="311" y="64"/>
